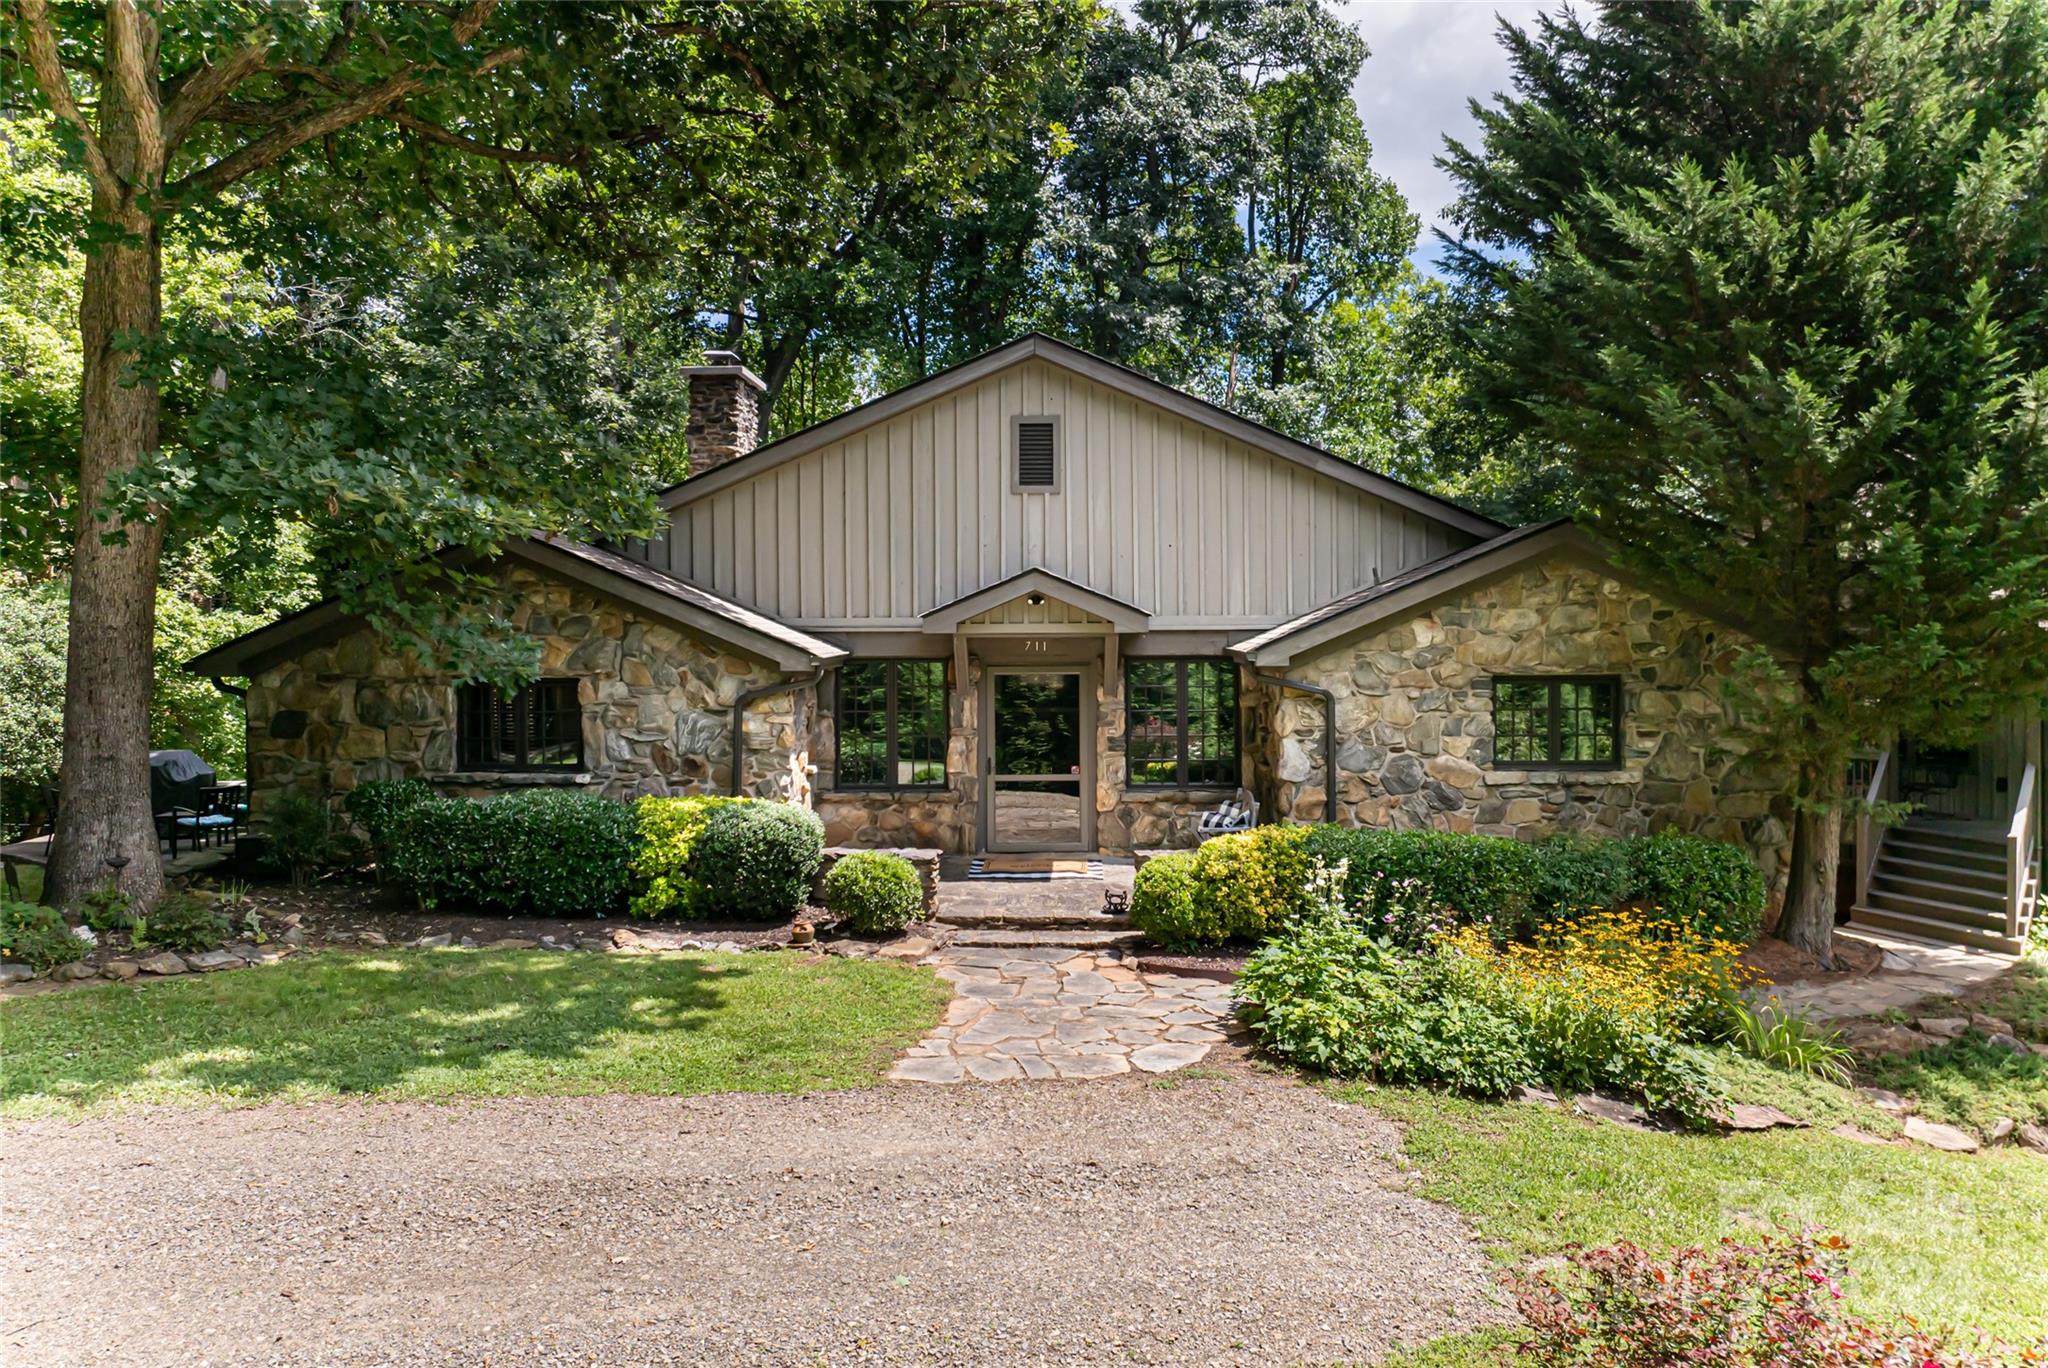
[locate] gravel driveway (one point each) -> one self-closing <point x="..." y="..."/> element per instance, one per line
<point x="1234" y="1219"/>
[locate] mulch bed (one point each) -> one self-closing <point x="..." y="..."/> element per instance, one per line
<point x="1782" y="963"/>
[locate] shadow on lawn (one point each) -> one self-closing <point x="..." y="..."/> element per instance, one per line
<point x="366" y="1023"/>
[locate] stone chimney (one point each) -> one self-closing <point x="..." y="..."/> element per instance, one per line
<point x="725" y="415"/>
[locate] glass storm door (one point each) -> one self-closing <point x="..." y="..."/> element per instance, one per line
<point x="1035" y="778"/>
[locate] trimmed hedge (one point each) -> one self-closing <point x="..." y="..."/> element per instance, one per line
<point x="755" y="861"/>
<point x="874" y="892"/>
<point x="376" y="805"/>
<point x="668" y="830"/>
<point x="1402" y="883"/>
<point x="545" y="852"/>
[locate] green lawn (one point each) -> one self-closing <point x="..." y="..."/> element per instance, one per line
<point x="450" y="1023"/>
<point x="1956" y="1238"/>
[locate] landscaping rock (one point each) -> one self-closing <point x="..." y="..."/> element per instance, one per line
<point x="1991" y="1025"/>
<point x="1611" y="1109"/>
<point x="247" y="951"/>
<point x="1943" y="1028"/>
<point x="1885" y="1100"/>
<point x="166" y="963"/>
<point x="908" y="948"/>
<point x="439" y="942"/>
<point x="121" y="969"/>
<point x="511" y="943"/>
<point x="1858" y="1134"/>
<point x="592" y="945"/>
<point x="293" y="935"/>
<point x="625" y="938"/>
<point x="1940" y="1137"/>
<point x="467" y="942"/>
<point x="2001" y="1130"/>
<point x="2011" y="1044"/>
<point x="76" y="970"/>
<point x="1757" y="1116"/>
<point x="1875" y="1038"/>
<point x="15" y="973"/>
<point x="1539" y="1097"/>
<point x="2033" y="1137"/>
<point x="1167" y="1057"/>
<point x="373" y="939"/>
<point x="210" y="961"/>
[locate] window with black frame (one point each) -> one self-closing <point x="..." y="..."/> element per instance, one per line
<point x="1572" y="723"/>
<point x="1180" y="723"/>
<point x="538" y="728"/>
<point x="891" y="724"/>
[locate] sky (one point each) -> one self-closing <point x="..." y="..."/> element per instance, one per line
<point x="1428" y="58"/>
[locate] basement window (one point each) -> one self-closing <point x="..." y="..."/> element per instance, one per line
<point x="1034" y="455"/>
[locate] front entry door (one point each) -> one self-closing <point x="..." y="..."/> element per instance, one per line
<point x="1036" y="795"/>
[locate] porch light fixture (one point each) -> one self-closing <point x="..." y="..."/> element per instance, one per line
<point x="1035" y="599"/>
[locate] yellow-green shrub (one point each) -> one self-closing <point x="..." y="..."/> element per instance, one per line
<point x="668" y="832"/>
<point x="1238" y="887"/>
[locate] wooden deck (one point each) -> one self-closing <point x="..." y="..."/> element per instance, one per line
<point x="36" y="851"/>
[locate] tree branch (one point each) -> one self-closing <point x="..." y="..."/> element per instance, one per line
<point x="131" y="66"/>
<point x="41" y="46"/>
<point x="434" y="133"/>
<point x="253" y="156"/>
<point x="730" y="49"/>
<point x="208" y="84"/>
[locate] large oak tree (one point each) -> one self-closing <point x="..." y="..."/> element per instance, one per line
<point x="639" y="131"/>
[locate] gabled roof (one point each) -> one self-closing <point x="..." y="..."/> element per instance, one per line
<point x="1120" y="615"/>
<point x="1102" y="372"/>
<point x="1362" y="608"/>
<point x="629" y="581"/>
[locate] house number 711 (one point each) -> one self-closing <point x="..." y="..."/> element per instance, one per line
<point x="1034" y="647"/>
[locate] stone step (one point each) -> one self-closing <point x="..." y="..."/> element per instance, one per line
<point x="1020" y="919"/>
<point x="1074" y="940"/>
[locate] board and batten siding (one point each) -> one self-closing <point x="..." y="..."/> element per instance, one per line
<point x="1195" y="528"/>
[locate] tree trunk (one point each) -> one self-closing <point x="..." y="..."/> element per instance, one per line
<point x="103" y="811"/>
<point x="1809" y="919"/>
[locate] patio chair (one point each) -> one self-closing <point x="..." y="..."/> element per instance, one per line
<point x="1239" y="812"/>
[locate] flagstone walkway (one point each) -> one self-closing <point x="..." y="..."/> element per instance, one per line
<point x="1060" y="1013"/>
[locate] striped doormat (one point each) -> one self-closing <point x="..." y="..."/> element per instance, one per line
<point x="1034" y="867"/>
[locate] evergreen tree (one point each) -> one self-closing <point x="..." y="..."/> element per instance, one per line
<point x="1768" y="278"/>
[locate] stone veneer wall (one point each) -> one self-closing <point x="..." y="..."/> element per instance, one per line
<point x="657" y="710"/>
<point x="1415" y="720"/>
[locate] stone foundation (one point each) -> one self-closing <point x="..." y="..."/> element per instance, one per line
<point x="657" y="710"/>
<point x="1415" y="720"/>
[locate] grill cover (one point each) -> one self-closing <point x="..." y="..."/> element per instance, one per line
<point x="175" y="779"/>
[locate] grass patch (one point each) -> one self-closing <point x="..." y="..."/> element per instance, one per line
<point x="466" y="1023"/>
<point x="1934" y="1235"/>
<point x="1966" y="1082"/>
<point x="31" y="877"/>
<point x="2022" y="999"/>
<point x="1482" y="1350"/>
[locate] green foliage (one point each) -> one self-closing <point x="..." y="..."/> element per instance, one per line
<point x="377" y="805"/>
<point x="301" y="836"/>
<point x="32" y="645"/>
<point x="1711" y="887"/>
<point x="1166" y="906"/>
<point x="1786" y="1041"/>
<point x="544" y="852"/>
<point x="107" y="909"/>
<point x="1821" y="297"/>
<point x="874" y="892"/>
<point x="668" y="830"/>
<point x="187" y="923"/>
<point x="1966" y="1082"/>
<point x="1409" y="885"/>
<point x="36" y="936"/>
<point x="756" y="861"/>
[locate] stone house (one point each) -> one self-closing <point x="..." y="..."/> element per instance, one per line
<point x="1041" y="602"/>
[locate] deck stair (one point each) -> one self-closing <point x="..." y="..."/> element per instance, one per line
<point x="1943" y="881"/>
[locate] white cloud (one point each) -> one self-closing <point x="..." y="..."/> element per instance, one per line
<point x="1428" y="58"/>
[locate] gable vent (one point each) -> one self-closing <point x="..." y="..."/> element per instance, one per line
<point x="1037" y="454"/>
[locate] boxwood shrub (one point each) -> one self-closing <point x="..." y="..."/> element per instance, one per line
<point x="667" y="830"/>
<point x="1712" y="887"/>
<point x="755" y="861"/>
<point x="545" y="852"/>
<point x="1401" y="883"/>
<point x="873" y="892"/>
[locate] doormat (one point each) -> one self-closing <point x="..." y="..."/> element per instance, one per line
<point x="1034" y="867"/>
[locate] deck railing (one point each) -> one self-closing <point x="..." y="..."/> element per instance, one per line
<point x="1876" y="788"/>
<point x="2019" y="853"/>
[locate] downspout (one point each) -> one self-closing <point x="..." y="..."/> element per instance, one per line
<point x="230" y="690"/>
<point x="739" y="713"/>
<point x="1329" y="734"/>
